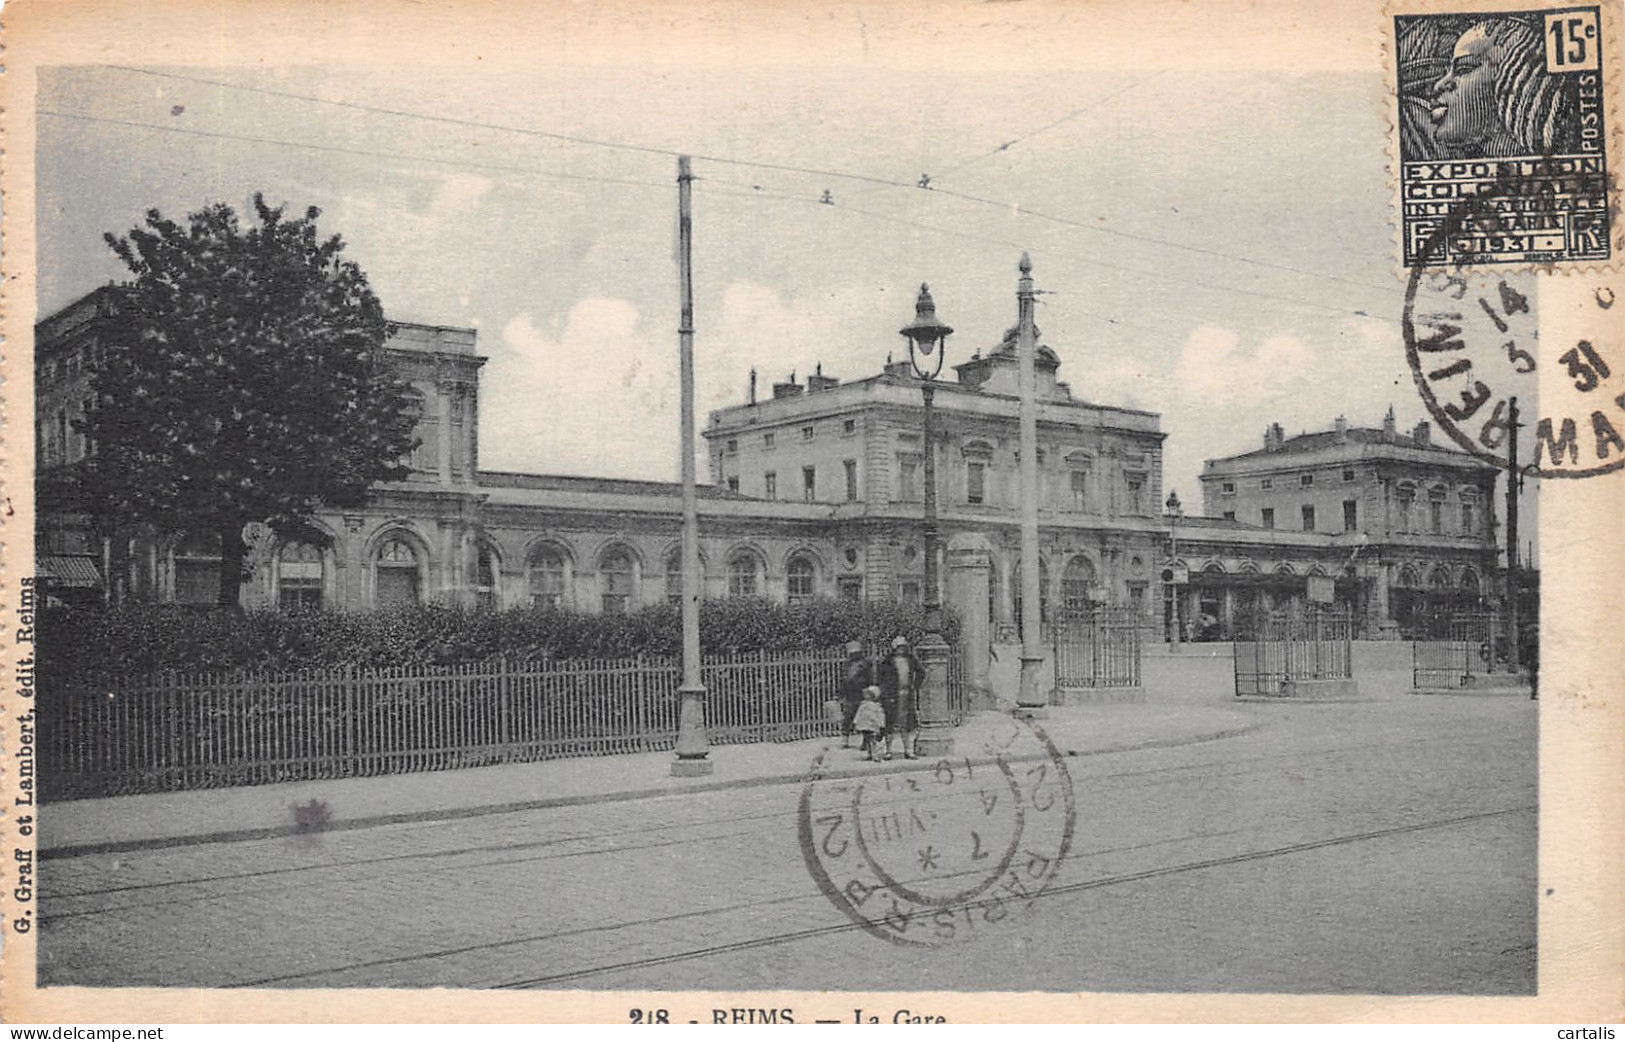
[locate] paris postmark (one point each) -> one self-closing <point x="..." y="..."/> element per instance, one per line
<point x="946" y="852"/>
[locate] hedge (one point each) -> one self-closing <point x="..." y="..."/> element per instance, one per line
<point x="142" y="639"/>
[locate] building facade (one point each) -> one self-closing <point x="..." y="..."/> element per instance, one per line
<point x="817" y="490"/>
<point x="1412" y="523"/>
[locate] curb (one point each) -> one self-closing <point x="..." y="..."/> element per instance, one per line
<point x="626" y="796"/>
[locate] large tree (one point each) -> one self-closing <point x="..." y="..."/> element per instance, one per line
<point x="242" y="379"/>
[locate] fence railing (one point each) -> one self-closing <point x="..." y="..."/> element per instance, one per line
<point x="1097" y="651"/>
<point x="172" y="731"/>
<point x="1315" y="646"/>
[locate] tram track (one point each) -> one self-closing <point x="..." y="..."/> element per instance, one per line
<point x="315" y="978"/>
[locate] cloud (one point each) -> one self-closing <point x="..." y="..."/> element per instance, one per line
<point x="586" y="392"/>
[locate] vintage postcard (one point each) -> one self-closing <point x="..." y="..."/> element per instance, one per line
<point x="783" y="513"/>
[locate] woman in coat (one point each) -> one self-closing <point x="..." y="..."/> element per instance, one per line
<point x="900" y="677"/>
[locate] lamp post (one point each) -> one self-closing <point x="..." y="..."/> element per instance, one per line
<point x="927" y="343"/>
<point x="692" y="744"/>
<point x="1030" y="700"/>
<point x="1174" y="514"/>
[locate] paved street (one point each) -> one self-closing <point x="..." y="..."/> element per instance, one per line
<point x="1383" y="847"/>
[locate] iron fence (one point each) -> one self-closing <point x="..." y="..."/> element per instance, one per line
<point x="1097" y="649"/>
<point x="1465" y="645"/>
<point x="1315" y="645"/>
<point x="173" y="731"/>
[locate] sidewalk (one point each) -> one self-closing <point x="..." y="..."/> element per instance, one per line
<point x="264" y="811"/>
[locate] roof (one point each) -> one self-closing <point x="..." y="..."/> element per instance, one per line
<point x="575" y="483"/>
<point x="1316" y="441"/>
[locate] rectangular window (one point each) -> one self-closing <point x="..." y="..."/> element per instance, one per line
<point x="767" y="441"/>
<point x="1080" y="490"/>
<point x="1351" y="515"/>
<point x="908" y="480"/>
<point x="1348" y="474"/>
<point x="733" y="484"/>
<point x="1265" y="484"/>
<point x="733" y="445"/>
<point x="849" y="426"/>
<point x="1229" y="515"/>
<point x="1136" y="486"/>
<point x="807" y="433"/>
<point x="1305" y="480"/>
<point x="1308" y="518"/>
<point x="809" y="483"/>
<point x="1436" y="516"/>
<point x="911" y="593"/>
<point x="1402" y="508"/>
<point x="770" y="485"/>
<point x="1228" y="488"/>
<point x="975" y="482"/>
<point x="1468" y="527"/>
<point x="851" y="467"/>
<point x="1269" y="517"/>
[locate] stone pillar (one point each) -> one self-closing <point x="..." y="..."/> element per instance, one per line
<point x="968" y="574"/>
<point x="445" y="389"/>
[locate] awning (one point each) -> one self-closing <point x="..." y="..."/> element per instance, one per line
<point x="69" y="571"/>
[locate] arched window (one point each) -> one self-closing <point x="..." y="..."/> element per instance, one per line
<point x="1408" y="577"/>
<point x="544" y="570"/>
<point x="299" y="577"/>
<point x="615" y="580"/>
<point x="1469" y="580"/>
<point x="800" y="577"/>
<point x="485" y="580"/>
<point x="744" y="575"/>
<point x="674" y="576"/>
<point x="1440" y="578"/>
<point x="397" y="573"/>
<point x="1076" y="583"/>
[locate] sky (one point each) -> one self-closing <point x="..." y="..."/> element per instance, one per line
<point x="1205" y="201"/>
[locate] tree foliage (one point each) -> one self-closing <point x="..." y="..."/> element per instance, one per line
<point x="241" y="379"/>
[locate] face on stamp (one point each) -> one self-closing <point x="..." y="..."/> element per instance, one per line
<point x="1480" y="338"/>
<point x="942" y="853"/>
<point x="1486" y="97"/>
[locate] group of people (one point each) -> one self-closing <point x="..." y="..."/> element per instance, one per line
<point x="881" y="700"/>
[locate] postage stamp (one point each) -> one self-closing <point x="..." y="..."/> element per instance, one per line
<point x="929" y="858"/>
<point x="1491" y="101"/>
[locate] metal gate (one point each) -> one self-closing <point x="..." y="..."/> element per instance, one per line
<point x="1316" y="645"/>
<point x="1474" y="644"/>
<point x="1099" y="648"/>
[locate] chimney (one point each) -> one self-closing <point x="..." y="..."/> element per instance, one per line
<point x="753" y="385"/>
<point x="819" y="382"/>
<point x="788" y="389"/>
<point x="1388" y="425"/>
<point x="1274" y="436"/>
<point x="1342" y="425"/>
<point x="1422" y="434"/>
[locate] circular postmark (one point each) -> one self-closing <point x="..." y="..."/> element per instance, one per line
<point x="1479" y="336"/>
<point x="941" y="853"/>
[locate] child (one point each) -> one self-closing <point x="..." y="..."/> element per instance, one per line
<point x="870" y="721"/>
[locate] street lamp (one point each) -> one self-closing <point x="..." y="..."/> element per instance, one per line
<point x="1172" y="572"/>
<point x="927" y="343"/>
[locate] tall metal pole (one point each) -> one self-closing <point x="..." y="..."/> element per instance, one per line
<point x="933" y="595"/>
<point x="1030" y="699"/>
<point x="692" y="745"/>
<point x="1512" y="534"/>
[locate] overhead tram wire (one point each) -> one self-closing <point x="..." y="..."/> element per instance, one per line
<point x="252" y="139"/>
<point x="753" y="164"/>
<point x="757" y="192"/>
